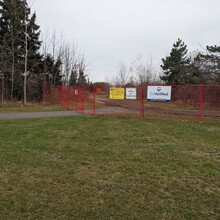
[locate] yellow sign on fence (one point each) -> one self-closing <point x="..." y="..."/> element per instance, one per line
<point x="117" y="93"/>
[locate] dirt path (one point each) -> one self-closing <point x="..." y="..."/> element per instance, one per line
<point x="20" y="115"/>
<point x="135" y="106"/>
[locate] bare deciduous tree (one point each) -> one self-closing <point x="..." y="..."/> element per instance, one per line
<point x="143" y="72"/>
<point x="121" y="78"/>
<point x="139" y="72"/>
<point x="69" y="59"/>
<point x="72" y="63"/>
<point x="45" y="51"/>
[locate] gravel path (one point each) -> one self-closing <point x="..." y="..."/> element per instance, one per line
<point x="23" y="115"/>
<point x="19" y="115"/>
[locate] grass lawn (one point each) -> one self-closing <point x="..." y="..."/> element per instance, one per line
<point x="109" y="168"/>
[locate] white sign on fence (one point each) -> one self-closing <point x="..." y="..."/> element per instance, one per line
<point x="131" y="93"/>
<point x="159" y="93"/>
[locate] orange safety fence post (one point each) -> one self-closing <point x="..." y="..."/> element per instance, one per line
<point x="76" y="94"/>
<point x="141" y="101"/>
<point x="94" y="99"/>
<point x="83" y="98"/>
<point x="201" y="91"/>
<point x="68" y="98"/>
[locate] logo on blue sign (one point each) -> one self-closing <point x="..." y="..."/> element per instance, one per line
<point x="159" y="89"/>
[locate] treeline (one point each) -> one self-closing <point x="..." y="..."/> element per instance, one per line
<point x="179" y="67"/>
<point x="27" y="62"/>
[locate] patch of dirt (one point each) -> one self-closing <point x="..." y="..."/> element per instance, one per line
<point x="135" y="106"/>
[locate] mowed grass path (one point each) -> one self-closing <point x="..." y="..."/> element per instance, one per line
<point x="109" y="168"/>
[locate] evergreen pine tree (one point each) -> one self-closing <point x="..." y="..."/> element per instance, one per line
<point x="78" y="76"/>
<point x="175" y="66"/>
<point x="82" y="78"/>
<point x="52" y="70"/>
<point x="73" y="77"/>
<point x="57" y="76"/>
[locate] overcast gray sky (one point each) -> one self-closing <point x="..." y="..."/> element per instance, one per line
<point x="113" y="31"/>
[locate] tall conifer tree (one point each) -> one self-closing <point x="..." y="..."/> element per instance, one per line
<point x="175" y="66"/>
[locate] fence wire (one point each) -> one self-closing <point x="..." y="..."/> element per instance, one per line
<point x="198" y="103"/>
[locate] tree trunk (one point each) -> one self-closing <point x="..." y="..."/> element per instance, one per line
<point x="25" y="63"/>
